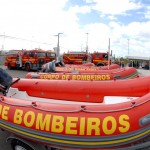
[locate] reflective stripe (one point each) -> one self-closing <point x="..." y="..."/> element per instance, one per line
<point x="76" y="141"/>
<point x="134" y="75"/>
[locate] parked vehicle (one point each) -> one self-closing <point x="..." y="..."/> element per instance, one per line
<point x="28" y="59"/>
<point x="50" y="56"/>
<point x="98" y="58"/>
<point x="11" y="57"/>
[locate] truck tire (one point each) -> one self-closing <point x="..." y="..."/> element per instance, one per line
<point x="18" y="67"/>
<point x="27" y="67"/>
<point x="19" y="145"/>
<point x="100" y="64"/>
<point x="62" y="63"/>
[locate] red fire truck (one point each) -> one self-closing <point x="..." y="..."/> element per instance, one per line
<point x="28" y="59"/>
<point x="98" y="58"/>
<point x="11" y="57"/>
<point x="50" y="56"/>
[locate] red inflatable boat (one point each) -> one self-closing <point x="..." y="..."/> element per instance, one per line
<point x="53" y="66"/>
<point x="78" y="114"/>
<point x="83" y="67"/>
<point x="90" y="75"/>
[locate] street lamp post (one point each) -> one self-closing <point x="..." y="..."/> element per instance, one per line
<point x="128" y="47"/>
<point x="58" y="49"/>
<point x="87" y="42"/>
<point x="3" y="42"/>
<point x="109" y="53"/>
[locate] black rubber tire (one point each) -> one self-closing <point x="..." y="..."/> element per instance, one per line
<point x="100" y="64"/>
<point x="15" y="143"/>
<point x="18" y="67"/>
<point x="62" y="63"/>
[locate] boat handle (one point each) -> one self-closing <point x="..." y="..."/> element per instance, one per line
<point x="145" y="120"/>
<point x="117" y="77"/>
<point x="118" y="71"/>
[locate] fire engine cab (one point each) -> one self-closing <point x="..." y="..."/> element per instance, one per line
<point x="98" y="58"/>
<point x="10" y="60"/>
<point x="50" y="56"/>
<point x="29" y="59"/>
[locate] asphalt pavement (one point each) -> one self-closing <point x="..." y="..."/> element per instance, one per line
<point x="21" y="74"/>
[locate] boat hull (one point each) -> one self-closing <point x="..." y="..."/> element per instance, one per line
<point x="84" y="67"/>
<point x="87" y="91"/>
<point x="90" y="75"/>
<point x="77" y="126"/>
<point x="75" y="114"/>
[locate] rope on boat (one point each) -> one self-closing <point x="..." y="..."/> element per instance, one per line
<point x="82" y="108"/>
<point x="34" y="105"/>
<point x="118" y="71"/>
<point x="123" y="109"/>
<point x="21" y="105"/>
<point x="59" y="111"/>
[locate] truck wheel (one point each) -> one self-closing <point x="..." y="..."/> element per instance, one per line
<point x="27" y="67"/>
<point x="18" y="67"/>
<point x="100" y="64"/>
<point x="18" y="145"/>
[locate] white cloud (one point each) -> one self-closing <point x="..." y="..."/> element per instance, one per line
<point x="40" y="20"/>
<point x="112" y="17"/>
<point x="138" y="34"/>
<point x="98" y="36"/>
<point x="147" y="15"/>
<point x="140" y="29"/>
<point x="35" y="18"/>
<point x="115" y="7"/>
<point x="80" y="9"/>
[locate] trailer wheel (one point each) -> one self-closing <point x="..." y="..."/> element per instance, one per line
<point x="18" y="145"/>
<point x="27" y="67"/>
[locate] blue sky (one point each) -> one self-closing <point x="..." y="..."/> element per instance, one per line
<point x="32" y="24"/>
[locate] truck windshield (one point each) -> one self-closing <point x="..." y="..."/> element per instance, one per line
<point x="41" y="54"/>
<point x="50" y="54"/>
